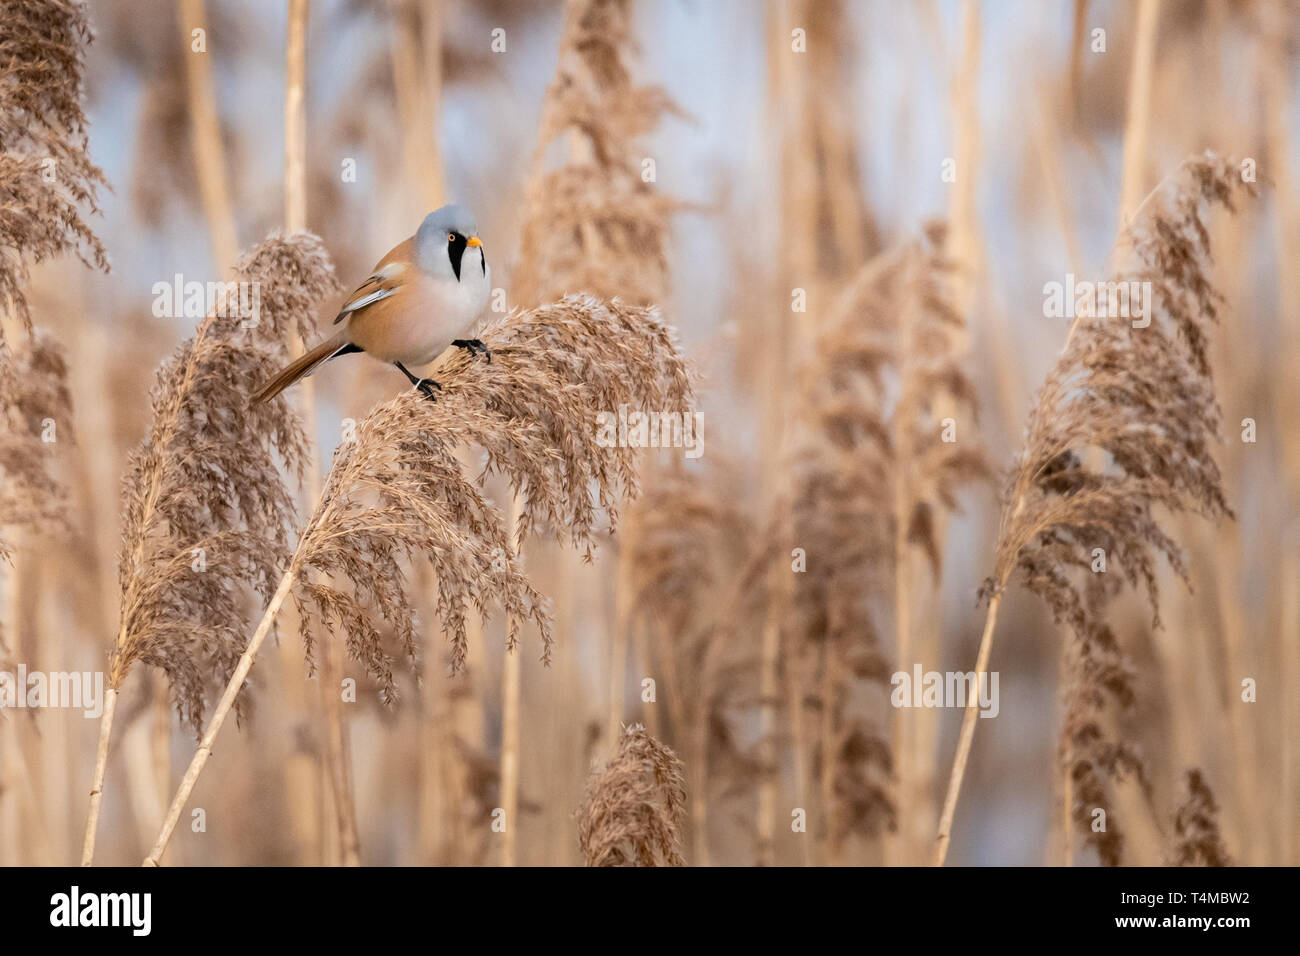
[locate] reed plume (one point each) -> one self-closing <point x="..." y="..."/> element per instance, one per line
<point x="1140" y="393"/>
<point x="532" y="410"/>
<point x="1143" y="395"/>
<point x="46" y="171"/>
<point x="867" y="474"/>
<point x="206" y="479"/>
<point x="1197" y="840"/>
<point x="47" y="177"/>
<point x="594" y="224"/>
<point x="33" y="392"/>
<point x="1099" y="686"/>
<point x="396" y="490"/>
<point x="887" y="363"/>
<point x="207" y="517"/>
<point x="685" y="537"/>
<point x="687" y="550"/>
<point x="635" y="806"/>
<point x="178" y="117"/>
<point x="835" y="511"/>
<point x="35" y="405"/>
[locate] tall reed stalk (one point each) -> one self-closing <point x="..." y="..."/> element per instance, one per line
<point x="1142" y="395"/>
<point x="206" y="514"/>
<point x="688" y="553"/>
<point x="593" y="223"/>
<point x="1137" y="122"/>
<point x="510" y="731"/>
<point x="337" y="757"/>
<point x="205" y="135"/>
<point x="48" y="179"/>
<point x="918" y="601"/>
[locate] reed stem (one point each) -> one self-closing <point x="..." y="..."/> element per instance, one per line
<point x="205" y="131"/>
<point x="97" y="781"/>
<point x="219" y="715"/>
<point x="967" y="734"/>
<point x="510" y="680"/>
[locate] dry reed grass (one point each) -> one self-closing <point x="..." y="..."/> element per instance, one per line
<point x="35" y="412"/>
<point x="688" y="553"/>
<point x="591" y="224"/>
<point x="636" y="806"/>
<point x="1143" y="396"/>
<point x="33" y="392"/>
<point x="594" y="224"/>
<point x="1099" y="685"/>
<point x="46" y="171"/>
<point x="1197" y="840"/>
<point x="771" y="683"/>
<point x="867" y="473"/>
<point x="397" y="491"/>
<point x="207" y="517"/>
<point x="47" y="178"/>
<point x="207" y="479"/>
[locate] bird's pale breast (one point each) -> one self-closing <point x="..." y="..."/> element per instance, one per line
<point x="415" y="324"/>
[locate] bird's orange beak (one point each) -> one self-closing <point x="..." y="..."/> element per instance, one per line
<point x="473" y="241"/>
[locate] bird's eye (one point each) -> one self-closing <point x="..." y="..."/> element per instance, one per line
<point x="451" y="237"/>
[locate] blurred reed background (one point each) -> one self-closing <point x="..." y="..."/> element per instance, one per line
<point x="849" y="212"/>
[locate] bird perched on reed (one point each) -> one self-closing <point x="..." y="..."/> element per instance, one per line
<point x="425" y="293"/>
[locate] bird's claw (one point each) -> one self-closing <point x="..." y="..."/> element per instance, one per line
<point x="428" y="388"/>
<point x="473" y="347"/>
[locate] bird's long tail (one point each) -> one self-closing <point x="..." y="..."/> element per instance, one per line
<point x="301" y="367"/>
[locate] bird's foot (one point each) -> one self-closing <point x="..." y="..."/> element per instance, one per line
<point x="473" y="346"/>
<point x="428" y="388"/>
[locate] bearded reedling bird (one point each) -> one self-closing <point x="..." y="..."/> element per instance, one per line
<point x="425" y="292"/>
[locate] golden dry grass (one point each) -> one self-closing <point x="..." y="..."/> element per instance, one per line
<point x="472" y="631"/>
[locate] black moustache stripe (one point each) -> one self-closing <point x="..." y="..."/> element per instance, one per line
<point x="456" y="247"/>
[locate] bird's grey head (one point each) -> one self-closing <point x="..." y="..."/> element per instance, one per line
<point x="442" y="241"/>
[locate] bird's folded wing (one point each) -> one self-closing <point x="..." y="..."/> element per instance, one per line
<point x="383" y="283"/>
